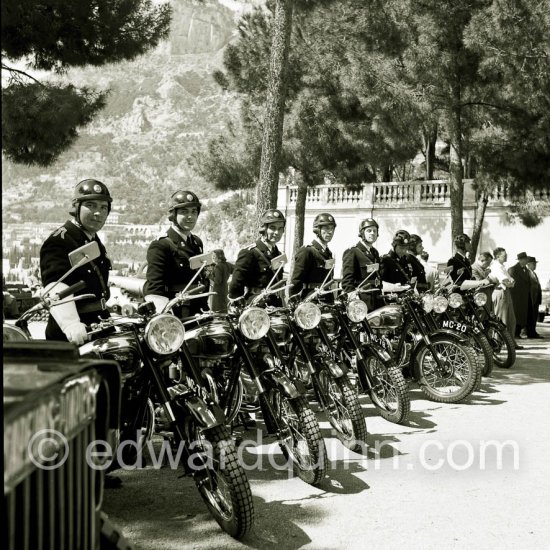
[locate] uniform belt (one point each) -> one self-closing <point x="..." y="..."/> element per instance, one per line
<point x="90" y="307"/>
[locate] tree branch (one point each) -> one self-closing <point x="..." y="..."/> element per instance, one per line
<point x="12" y="70"/>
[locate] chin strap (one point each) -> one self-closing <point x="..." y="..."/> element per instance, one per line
<point x="158" y="300"/>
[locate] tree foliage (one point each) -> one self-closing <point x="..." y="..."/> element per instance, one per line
<point x="40" y="120"/>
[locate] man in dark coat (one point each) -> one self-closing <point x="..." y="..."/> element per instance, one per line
<point x="416" y="247"/>
<point x="219" y="275"/>
<point x="396" y="267"/>
<point x="91" y="205"/>
<point x="313" y="262"/>
<point x="358" y="263"/>
<point x="536" y="298"/>
<point x="254" y="268"/>
<point x="168" y="267"/>
<point x="521" y="294"/>
<point x="461" y="272"/>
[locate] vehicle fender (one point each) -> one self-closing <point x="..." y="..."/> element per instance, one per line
<point x="337" y="370"/>
<point x="279" y="380"/>
<point x="207" y="416"/>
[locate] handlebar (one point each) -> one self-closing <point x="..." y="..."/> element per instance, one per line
<point x="71" y="289"/>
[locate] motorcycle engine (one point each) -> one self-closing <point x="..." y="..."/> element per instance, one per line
<point x="211" y="341"/>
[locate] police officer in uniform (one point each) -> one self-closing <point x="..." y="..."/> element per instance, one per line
<point x="253" y="269"/>
<point x="356" y="261"/>
<point x="168" y="268"/>
<point x="91" y="205"/>
<point x="461" y="272"/>
<point x="396" y="267"/>
<point x="415" y="249"/>
<point x="313" y="262"/>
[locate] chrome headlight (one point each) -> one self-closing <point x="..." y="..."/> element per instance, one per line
<point x="254" y="323"/>
<point x="480" y="298"/>
<point x="428" y="302"/>
<point x="307" y="315"/>
<point x="455" y="300"/>
<point x="440" y="304"/>
<point x="357" y="310"/>
<point x="164" y="334"/>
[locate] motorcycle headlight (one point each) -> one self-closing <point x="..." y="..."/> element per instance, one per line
<point x="428" y="302"/>
<point x="480" y="298"/>
<point x="440" y="304"/>
<point x="254" y="323"/>
<point x="455" y="300"/>
<point x="307" y="315"/>
<point x="164" y="334"/>
<point x="357" y="310"/>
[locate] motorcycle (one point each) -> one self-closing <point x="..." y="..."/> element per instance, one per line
<point x="243" y="368"/>
<point x="442" y="361"/>
<point x="348" y="333"/>
<point x="307" y="356"/>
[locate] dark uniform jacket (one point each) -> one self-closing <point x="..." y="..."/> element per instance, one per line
<point x="169" y="271"/>
<point x="394" y="269"/>
<point x="54" y="263"/>
<point x="419" y="272"/>
<point x="355" y="262"/>
<point x="253" y="272"/>
<point x="462" y="269"/>
<point x="312" y="264"/>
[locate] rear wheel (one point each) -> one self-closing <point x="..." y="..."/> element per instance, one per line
<point x="389" y="393"/>
<point x="344" y="411"/>
<point x="502" y="344"/>
<point x="454" y="376"/>
<point x="222" y="481"/>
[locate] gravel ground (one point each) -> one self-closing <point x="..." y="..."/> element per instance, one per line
<point x="433" y="483"/>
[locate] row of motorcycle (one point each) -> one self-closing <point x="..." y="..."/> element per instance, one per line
<point x="193" y="380"/>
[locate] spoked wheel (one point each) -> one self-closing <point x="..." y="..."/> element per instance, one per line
<point x="222" y="481"/>
<point x="389" y="393"/>
<point x="343" y="411"/>
<point x="303" y="443"/>
<point x="502" y="344"/>
<point x="456" y="375"/>
<point x="484" y="353"/>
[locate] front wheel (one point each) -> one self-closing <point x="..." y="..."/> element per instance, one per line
<point x="450" y="378"/>
<point x="502" y="344"/>
<point x="222" y="482"/>
<point x="343" y="411"/>
<point x="389" y="392"/>
<point x="303" y="443"/>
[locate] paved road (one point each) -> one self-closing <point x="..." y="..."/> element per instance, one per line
<point x="435" y="483"/>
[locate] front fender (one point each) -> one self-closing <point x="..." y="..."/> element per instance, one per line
<point x="276" y="379"/>
<point x="207" y="416"/>
<point x="459" y="336"/>
<point x="337" y="370"/>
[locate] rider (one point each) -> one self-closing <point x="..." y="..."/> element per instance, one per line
<point x="254" y="268"/>
<point x="91" y="205"/>
<point x="356" y="261"/>
<point x="415" y="249"/>
<point x="461" y="272"/>
<point x="168" y="268"/>
<point x="313" y="262"/>
<point x="396" y="268"/>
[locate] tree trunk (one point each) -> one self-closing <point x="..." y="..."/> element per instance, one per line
<point x="266" y="193"/>
<point x="455" y="165"/>
<point x="430" y="137"/>
<point x="300" y="215"/>
<point x="482" y="201"/>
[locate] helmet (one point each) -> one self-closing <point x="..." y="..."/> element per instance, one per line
<point x="182" y="199"/>
<point x="402" y="233"/>
<point x="89" y="189"/>
<point x="368" y="222"/>
<point x="414" y="241"/>
<point x="461" y="240"/>
<point x="272" y="216"/>
<point x="323" y="219"/>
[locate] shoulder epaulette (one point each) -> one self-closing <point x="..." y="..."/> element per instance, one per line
<point x="59" y="232"/>
<point x="250" y="246"/>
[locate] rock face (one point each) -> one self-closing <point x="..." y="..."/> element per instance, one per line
<point x="199" y="27"/>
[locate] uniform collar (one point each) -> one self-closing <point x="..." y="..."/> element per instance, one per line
<point x="319" y="245"/>
<point x="183" y="237"/>
<point x="89" y="236"/>
<point x="262" y="245"/>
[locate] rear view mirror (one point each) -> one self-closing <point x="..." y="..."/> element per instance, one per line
<point x="201" y="259"/>
<point x="372" y="267"/>
<point x="84" y="254"/>
<point x="278" y="261"/>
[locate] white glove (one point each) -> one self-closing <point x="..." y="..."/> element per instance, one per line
<point x="158" y="300"/>
<point x="66" y="316"/>
<point x="76" y="333"/>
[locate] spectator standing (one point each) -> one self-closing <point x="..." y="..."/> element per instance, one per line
<point x="432" y="275"/>
<point x="502" y="299"/>
<point x="521" y="294"/>
<point x="481" y="269"/>
<point x="218" y="282"/>
<point x="536" y="298"/>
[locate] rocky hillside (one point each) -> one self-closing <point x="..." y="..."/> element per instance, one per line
<point x="162" y="108"/>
